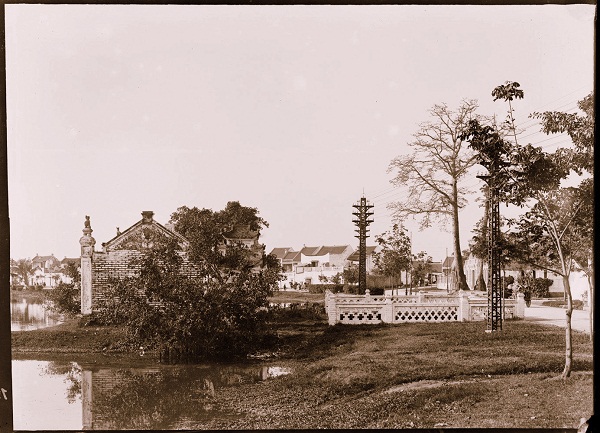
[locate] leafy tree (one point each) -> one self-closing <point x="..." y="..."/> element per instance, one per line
<point x="395" y="254"/>
<point x="65" y="298"/>
<point x="206" y="231"/>
<point x="553" y="232"/>
<point x="350" y="274"/>
<point x="190" y="318"/>
<point x="433" y="172"/>
<point x="580" y="127"/>
<point x="421" y="266"/>
<point x="24" y="268"/>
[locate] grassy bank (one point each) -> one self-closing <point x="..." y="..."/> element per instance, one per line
<point x="419" y="376"/>
<point x="402" y="376"/>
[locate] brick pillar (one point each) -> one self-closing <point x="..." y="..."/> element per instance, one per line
<point x="87" y="243"/>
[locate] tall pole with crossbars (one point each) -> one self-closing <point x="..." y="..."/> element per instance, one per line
<point x="494" y="310"/>
<point x="362" y="221"/>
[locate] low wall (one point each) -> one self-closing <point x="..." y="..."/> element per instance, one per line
<point x="422" y="307"/>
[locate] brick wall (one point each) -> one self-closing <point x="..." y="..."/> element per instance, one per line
<point x="119" y="264"/>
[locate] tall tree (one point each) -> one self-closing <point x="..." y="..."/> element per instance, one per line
<point x="580" y="127"/>
<point x="550" y="235"/>
<point x="433" y="173"/>
<point x="206" y="231"/>
<point x="24" y="268"/>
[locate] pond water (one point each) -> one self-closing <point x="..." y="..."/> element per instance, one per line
<point x="27" y="315"/>
<point x="52" y="395"/>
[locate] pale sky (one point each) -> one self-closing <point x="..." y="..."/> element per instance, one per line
<point x="295" y="110"/>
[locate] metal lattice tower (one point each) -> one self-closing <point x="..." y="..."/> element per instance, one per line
<point x="494" y="310"/>
<point x="362" y="221"/>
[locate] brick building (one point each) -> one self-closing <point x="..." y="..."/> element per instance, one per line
<point x="118" y="255"/>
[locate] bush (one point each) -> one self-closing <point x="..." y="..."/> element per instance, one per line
<point x="376" y="291"/>
<point x="212" y="317"/>
<point x="303" y="311"/>
<point x="65" y="299"/>
<point x="320" y="288"/>
<point x="541" y="287"/>
<point x="577" y="304"/>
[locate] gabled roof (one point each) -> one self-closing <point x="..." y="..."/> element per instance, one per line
<point x="292" y="256"/>
<point x="76" y="260"/>
<point x="436" y="267"/>
<point x="355" y="256"/>
<point x="309" y="251"/>
<point x="323" y="249"/>
<point x="43" y="258"/>
<point x="335" y="249"/>
<point x="147" y="229"/>
<point x="447" y="264"/>
<point x="280" y="252"/>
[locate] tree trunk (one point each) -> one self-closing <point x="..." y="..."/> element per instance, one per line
<point x="568" y="332"/>
<point x="461" y="283"/>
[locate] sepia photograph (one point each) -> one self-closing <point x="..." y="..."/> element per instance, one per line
<point x="248" y="217"/>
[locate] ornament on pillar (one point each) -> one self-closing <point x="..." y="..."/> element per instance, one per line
<point x="87" y="242"/>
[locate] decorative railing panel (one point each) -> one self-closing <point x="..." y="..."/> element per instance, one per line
<point x="426" y="313"/>
<point x="357" y="309"/>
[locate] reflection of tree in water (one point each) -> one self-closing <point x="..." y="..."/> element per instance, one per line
<point x="72" y="371"/>
<point x="164" y="398"/>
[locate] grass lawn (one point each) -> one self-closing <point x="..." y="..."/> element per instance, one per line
<point x="384" y="376"/>
<point x="296" y="297"/>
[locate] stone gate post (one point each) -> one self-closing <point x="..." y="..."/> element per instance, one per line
<point x="87" y="243"/>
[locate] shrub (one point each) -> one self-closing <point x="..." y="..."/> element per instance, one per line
<point x="320" y="288"/>
<point x="541" y="287"/>
<point x="65" y="299"/>
<point x="217" y="316"/>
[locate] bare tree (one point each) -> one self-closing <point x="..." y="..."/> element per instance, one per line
<point x="433" y="174"/>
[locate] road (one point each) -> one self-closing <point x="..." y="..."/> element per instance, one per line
<point x="580" y="320"/>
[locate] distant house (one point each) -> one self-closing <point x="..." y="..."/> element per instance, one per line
<point x="45" y="263"/>
<point x="245" y="237"/>
<point x="311" y="265"/>
<point x="47" y="271"/>
<point x="355" y="256"/>
<point x="577" y="279"/>
<point x="288" y="258"/>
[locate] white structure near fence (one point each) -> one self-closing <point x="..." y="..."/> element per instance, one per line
<point x="422" y="307"/>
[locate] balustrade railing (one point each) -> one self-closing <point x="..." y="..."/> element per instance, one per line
<point x="423" y="307"/>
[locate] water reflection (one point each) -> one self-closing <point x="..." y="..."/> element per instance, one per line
<point x="25" y="316"/>
<point x="152" y="397"/>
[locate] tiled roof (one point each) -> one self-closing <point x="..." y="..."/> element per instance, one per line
<point x="292" y="256"/>
<point x="280" y="252"/>
<point x="43" y="258"/>
<point x="436" y="267"/>
<point x="76" y="260"/>
<point x="355" y="256"/>
<point x="310" y="251"/>
<point x="336" y="249"/>
<point x="448" y="262"/>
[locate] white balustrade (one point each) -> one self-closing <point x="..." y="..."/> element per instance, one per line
<point x="423" y="307"/>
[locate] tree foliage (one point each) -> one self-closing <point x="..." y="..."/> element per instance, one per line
<point x="395" y="254"/>
<point x="421" y="266"/>
<point x="206" y="231"/>
<point x="557" y="226"/>
<point x="188" y="318"/>
<point x="24" y="268"/>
